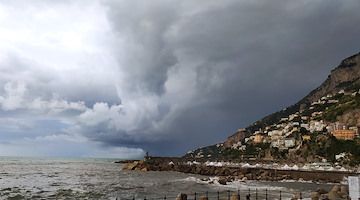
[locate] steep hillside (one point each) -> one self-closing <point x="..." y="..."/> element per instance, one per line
<point x="337" y="100"/>
<point x="346" y="74"/>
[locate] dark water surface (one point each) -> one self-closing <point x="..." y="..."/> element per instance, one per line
<point x="56" y="178"/>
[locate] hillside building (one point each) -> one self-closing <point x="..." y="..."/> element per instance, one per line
<point x="356" y="129"/>
<point x="304" y="118"/>
<point x="306" y="137"/>
<point x="340" y="126"/>
<point x="344" y="134"/>
<point x="289" y="142"/>
<point x="258" y="138"/>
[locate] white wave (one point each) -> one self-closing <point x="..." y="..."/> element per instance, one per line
<point x="234" y="185"/>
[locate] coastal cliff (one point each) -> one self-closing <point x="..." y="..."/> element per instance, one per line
<point x="304" y="132"/>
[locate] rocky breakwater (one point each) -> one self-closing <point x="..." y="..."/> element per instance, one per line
<point x="228" y="174"/>
<point x="136" y="165"/>
<point x="337" y="192"/>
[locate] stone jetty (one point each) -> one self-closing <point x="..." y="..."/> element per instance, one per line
<point x="227" y="173"/>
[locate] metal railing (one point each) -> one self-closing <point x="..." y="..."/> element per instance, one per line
<point x="222" y="195"/>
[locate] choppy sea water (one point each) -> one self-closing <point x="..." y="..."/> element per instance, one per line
<point x="64" y="178"/>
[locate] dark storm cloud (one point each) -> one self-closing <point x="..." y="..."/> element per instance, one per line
<point x="164" y="76"/>
<point x="142" y="26"/>
<point x="244" y="60"/>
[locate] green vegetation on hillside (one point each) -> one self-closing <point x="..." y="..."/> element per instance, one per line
<point x="345" y="103"/>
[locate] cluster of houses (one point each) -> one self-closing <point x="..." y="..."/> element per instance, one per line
<point x="281" y="135"/>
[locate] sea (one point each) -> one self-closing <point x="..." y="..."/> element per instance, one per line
<point x="95" y="178"/>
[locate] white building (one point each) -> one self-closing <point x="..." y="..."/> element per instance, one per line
<point x="306" y="126"/>
<point x="289" y="142"/>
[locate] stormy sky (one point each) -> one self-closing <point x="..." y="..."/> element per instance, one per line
<point x="112" y="78"/>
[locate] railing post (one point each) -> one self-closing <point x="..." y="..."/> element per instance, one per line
<point x="280" y="195"/>
<point x="165" y="197"/>
<point x="300" y="196"/>
<point x="229" y="194"/>
<point x="218" y="194"/>
<point x="195" y="196"/>
<point x="207" y="194"/>
<point x="256" y="194"/>
<point x="266" y="197"/>
<point x="248" y="196"/>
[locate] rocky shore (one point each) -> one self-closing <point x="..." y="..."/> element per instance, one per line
<point x="228" y="173"/>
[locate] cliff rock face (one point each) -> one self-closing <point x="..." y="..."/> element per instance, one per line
<point x="350" y="117"/>
<point x="238" y="136"/>
<point x="347" y="72"/>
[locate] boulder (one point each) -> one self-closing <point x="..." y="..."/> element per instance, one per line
<point x="240" y="176"/>
<point x="230" y="178"/>
<point x="222" y="180"/>
<point x="204" y="198"/>
<point x="164" y="167"/>
<point x="216" y="171"/>
<point x="235" y="197"/>
<point x="212" y="171"/>
<point x="315" y="196"/>
<point x="324" y="197"/>
<point x="226" y="172"/>
<point x="144" y="169"/>
<point x="334" y="195"/>
<point x="244" y="179"/>
<point x="197" y="170"/>
<point x="264" y="176"/>
<point x="131" y="166"/>
<point x="298" y="196"/>
<point x="265" y="173"/>
<point x="344" y="190"/>
<point x="181" y="196"/>
<point x="249" y="176"/>
<point x="321" y="191"/>
<point x="336" y="188"/>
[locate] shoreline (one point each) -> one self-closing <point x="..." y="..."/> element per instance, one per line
<point x="236" y="173"/>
